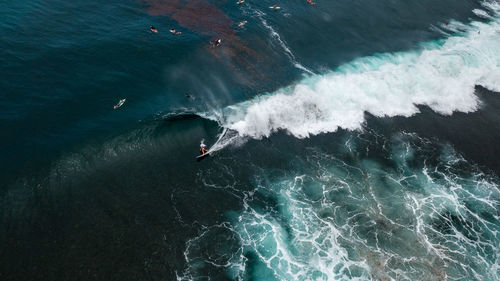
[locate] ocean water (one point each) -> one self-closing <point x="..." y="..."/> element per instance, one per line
<point x="350" y="140"/>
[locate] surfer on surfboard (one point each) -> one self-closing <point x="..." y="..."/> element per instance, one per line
<point x="203" y="148"/>
<point x="120" y="103"/>
<point x="153" y="29"/>
<point x="207" y="152"/>
<point x="216" y="43"/>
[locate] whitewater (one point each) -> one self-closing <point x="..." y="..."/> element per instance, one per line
<point x="344" y="215"/>
<point x="397" y="207"/>
<point x="441" y="74"/>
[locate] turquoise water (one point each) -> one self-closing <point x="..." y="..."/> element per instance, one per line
<point x="423" y="212"/>
<point x="349" y="140"/>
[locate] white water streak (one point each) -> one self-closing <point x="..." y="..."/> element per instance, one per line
<point x="441" y="75"/>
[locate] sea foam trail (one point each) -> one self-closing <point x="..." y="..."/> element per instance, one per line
<point x="413" y="210"/>
<point x="441" y="74"/>
<point x="282" y="43"/>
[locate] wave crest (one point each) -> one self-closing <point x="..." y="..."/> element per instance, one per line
<point x="441" y="75"/>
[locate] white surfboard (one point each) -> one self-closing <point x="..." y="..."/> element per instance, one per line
<point x="199" y="157"/>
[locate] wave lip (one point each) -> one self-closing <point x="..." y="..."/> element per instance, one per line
<point x="441" y="75"/>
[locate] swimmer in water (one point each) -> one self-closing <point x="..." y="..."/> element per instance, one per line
<point x="242" y="23"/>
<point x="216" y="43"/>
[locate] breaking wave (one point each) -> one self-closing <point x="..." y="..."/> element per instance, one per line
<point x="442" y="75"/>
<point x="424" y="213"/>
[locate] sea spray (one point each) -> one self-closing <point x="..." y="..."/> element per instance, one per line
<point x="441" y="74"/>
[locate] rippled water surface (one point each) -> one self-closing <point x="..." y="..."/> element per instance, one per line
<point x="349" y="140"/>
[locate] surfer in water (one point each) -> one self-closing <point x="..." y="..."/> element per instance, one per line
<point x="203" y="148"/>
<point x="310" y="2"/>
<point x="153" y="29"/>
<point x="120" y="103"/>
<point x="173" y="31"/>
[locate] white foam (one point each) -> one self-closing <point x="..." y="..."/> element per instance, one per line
<point x="282" y="43"/>
<point x="348" y="210"/>
<point x="441" y="75"/>
<point x="313" y="249"/>
<point x="481" y="13"/>
<point x="337" y="220"/>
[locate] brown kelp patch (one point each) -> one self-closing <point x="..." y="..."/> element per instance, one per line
<point x="208" y="20"/>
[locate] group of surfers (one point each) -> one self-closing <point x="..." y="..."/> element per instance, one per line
<point x="240" y="24"/>
<point x="215" y="43"/>
<point x="173" y="31"/>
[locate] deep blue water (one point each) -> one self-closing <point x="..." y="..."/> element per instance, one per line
<point x="352" y="140"/>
